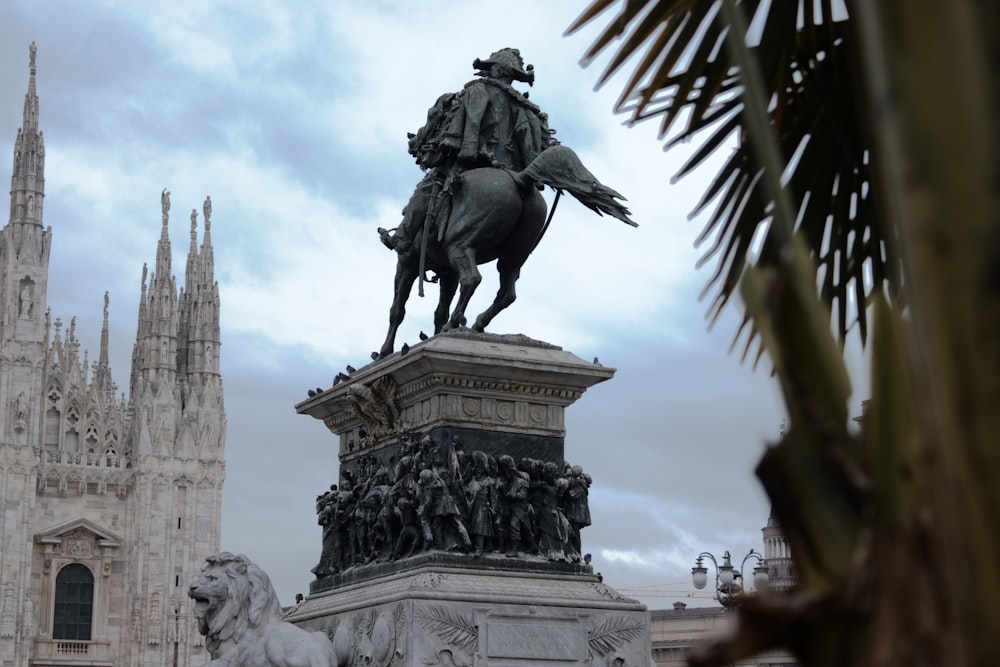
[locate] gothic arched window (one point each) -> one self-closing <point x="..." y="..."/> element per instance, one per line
<point x="52" y="419"/>
<point x="74" y="603"/>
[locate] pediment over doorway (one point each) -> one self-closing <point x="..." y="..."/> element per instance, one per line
<point x="78" y="537"/>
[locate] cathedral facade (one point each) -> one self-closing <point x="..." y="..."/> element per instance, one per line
<point x="108" y="503"/>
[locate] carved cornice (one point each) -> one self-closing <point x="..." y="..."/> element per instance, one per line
<point x="79" y="479"/>
<point x="492" y="386"/>
<point x="503" y="368"/>
<point x="606" y="591"/>
<point x="74" y="472"/>
<point x="382" y="416"/>
<point x="174" y="468"/>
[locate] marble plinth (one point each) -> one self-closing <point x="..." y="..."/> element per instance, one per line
<point x="493" y="562"/>
<point x="498" y="393"/>
<point x="501" y="395"/>
<point x="455" y="618"/>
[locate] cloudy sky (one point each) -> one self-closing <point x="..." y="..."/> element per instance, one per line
<point x="293" y="117"/>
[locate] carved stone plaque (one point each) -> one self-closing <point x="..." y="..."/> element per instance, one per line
<point x="535" y="638"/>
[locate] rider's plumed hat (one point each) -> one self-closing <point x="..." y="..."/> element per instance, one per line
<point x="509" y="58"/>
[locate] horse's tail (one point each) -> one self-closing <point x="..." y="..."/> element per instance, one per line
<point x="559" y="167"/>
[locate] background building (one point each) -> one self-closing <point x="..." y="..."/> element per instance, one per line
<point x="674" y="631"/>
<point x="109" y="504"/>
<point x="778" y="558"/>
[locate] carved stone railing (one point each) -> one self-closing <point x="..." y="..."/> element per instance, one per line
<point x="69" y="652"/>
<point x="85" y="459"/>
<point x="85" y="472"/>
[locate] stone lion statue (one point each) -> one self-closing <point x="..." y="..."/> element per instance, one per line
<point x="238" y="612"/>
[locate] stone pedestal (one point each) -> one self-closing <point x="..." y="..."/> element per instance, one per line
<point x="456" y="618"/>
<point x="504" y="396"/>
<point x="500" y="394"/>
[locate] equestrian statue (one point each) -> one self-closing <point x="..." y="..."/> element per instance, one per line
<point x="486" y="151"/>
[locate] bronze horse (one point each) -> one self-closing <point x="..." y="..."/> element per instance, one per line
<point x="496" y="214"/>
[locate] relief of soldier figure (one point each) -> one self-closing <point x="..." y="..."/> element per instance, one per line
<point x="435" y="496"/>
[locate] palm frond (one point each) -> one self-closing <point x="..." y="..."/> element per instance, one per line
<point x="612" y="632"/>
<point x="684" y="80"/>
<point x="452" y="627"/>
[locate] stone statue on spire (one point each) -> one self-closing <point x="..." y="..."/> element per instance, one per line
<point x="165" y="204"/>
<point x="207" y="209"/>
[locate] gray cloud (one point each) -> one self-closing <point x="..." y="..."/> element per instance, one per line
<point x="294" y="118"/>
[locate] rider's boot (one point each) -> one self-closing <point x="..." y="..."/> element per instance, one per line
<point x="395" y="241"/>
<point x="386" y="238"/>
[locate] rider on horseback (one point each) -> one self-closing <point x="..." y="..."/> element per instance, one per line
<point x="487" y="124"/>
<point x="484" y="149"/>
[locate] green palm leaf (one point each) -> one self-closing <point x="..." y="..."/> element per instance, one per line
<point x="685" y="79"/>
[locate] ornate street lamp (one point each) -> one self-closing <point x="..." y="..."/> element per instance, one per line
<point x="729" y="580"/>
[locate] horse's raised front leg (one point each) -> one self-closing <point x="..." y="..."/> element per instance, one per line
<point x="505" y="294"/>
<point x="463" y="260"/>
<point x="406" y="273"/>
<point x="448" y="285"/>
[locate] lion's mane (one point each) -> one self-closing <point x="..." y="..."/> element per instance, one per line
<point x="239" y="597"/>
<point x="240" y="616"/>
